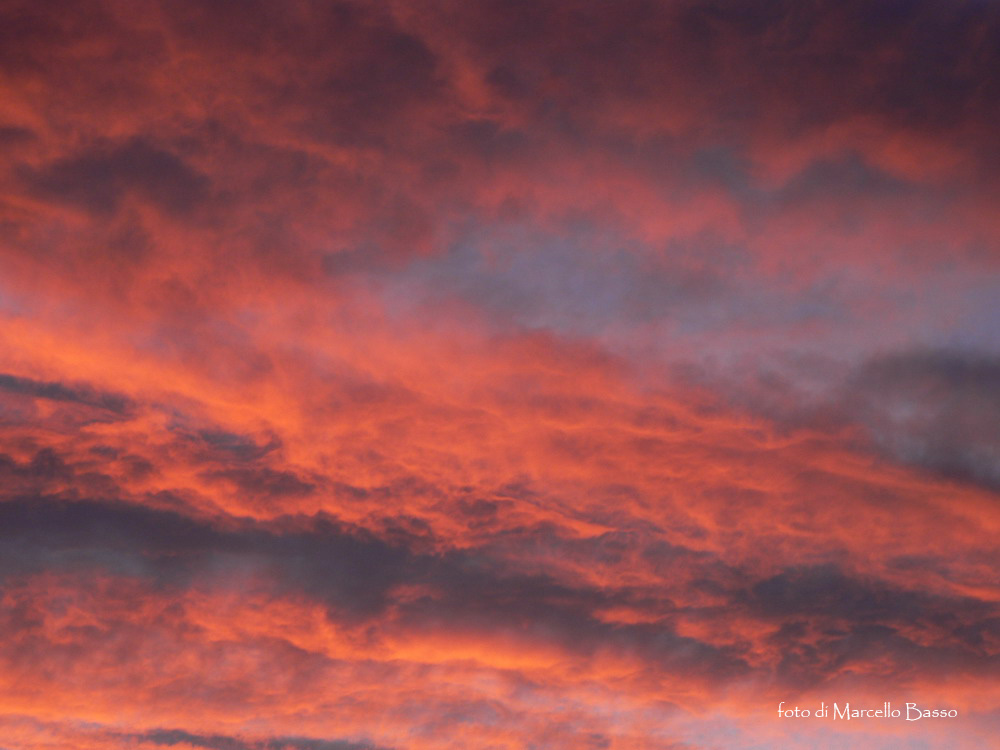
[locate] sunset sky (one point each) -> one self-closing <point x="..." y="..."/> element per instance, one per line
<point x="498" y="374"/>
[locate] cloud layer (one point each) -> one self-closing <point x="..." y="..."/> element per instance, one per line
<point x="498" y="374"/>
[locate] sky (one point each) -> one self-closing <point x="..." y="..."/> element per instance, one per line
<point x="499" y="375"/>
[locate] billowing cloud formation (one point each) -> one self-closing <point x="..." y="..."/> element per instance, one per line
<point x="497" y="375"/>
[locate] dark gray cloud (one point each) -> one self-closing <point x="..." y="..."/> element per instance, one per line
<point x="348" y="570"/>
<point x="831" y="620"/>
<point x="46" y="465"/>
<point x="935" y="409"/>
<point x="357" y="71"/>
<point x="846" y="177"/>
<point x="13" y="135"/>
<point x="50" y="472"/>
<point x="825" y="590"/>
<point x="240" y="448"/>
<point x="351" y="571"/>
<point x="821" y="59"/>
<point x="264" y="482"/>
<point x="97" y="178"/>
<point x="170" y="737"/>
<point x="938" y="409"/>
<point x="354" y="572"/>
<point x="77" y="393"/>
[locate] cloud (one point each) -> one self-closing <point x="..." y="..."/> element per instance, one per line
<point x="937" y="409"/>
<point x="172" y="737"/>
<point x="61" y="392"/>
<point x="477" y="595"/>
<point x="351" y="572"/>
<point x="97" y="179"/>
<point x="497" y="374"/>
